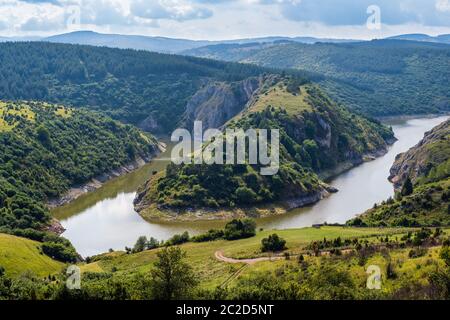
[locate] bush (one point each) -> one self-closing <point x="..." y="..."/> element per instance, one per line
<point x="445" y="255"/>
<point x="417" y="252"/>
<point x="273" y="243"/>
<point x="59" y="251"/>
<point x="240" y="229"/>
<point x="211" y="235"/>
<point x="246" y="195"/>
<point x="178" y="239"/>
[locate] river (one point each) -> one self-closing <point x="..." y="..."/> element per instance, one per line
<point x="105" y="219"/>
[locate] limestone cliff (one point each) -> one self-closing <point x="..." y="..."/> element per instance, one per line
<point x="427" y="158"/>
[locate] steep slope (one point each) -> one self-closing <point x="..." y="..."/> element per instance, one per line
<point x="424" y="201"/>
<point x="317" y="137"/>
<point x="45" y="149"/>
<point x="378" y="78"/>
<point x="147" y="89"/>
<point x="427" y="162"/>
<point x="19" y="256"/>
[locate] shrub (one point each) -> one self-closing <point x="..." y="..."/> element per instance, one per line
<point x="273" y="243"/>
<point x="60" y="251"/>
<point x="178" y="239"/>
<point x="211" y="235"/>
<point x="417" y="252"/>
<point x="240" y="229"/>
<point x="246" y="195"/>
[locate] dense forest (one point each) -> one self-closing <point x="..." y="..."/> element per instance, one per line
<point x="378" y="78"/>
<point x="136" y="87"/>
<point x="45" y="149"/>
<point x="316" y="135"/>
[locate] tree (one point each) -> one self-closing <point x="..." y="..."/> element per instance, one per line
<point x="245" y="195"/>
<point x="445" y="255"/>
<point x="172" y="277"/>
<point x="152" y="244"/>
<point x="273" y="243"/>
<point x="240" y="229"/>
<point x="44" y="136"/>
<point x="407" y="188"/>
<point x="140" y="245"/>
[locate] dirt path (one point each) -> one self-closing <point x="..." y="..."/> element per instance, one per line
<point x="219" y="256"/>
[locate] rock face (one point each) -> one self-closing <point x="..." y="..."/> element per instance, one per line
<point x="421" y="159"/>
<point x="218" y="102"/>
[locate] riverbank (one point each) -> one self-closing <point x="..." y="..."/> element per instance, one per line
<point x="157" y="213"/>
<point x="106" y="218"/>
<point x="154" y="213"/>
<point x="98" y="182"/>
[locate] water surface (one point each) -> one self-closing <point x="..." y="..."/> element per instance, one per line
<point x="106" y="218"/>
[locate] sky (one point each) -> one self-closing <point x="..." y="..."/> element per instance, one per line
<point x="227" y="19"/>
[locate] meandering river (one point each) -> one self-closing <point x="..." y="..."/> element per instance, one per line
<point x="106" y="218"/>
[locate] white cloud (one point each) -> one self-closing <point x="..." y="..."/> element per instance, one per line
<point x="179" y="10"/>
<point x="443" y="5"/>
<point x="224" y="19"/>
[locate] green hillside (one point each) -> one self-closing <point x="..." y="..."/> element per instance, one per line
<point x="316" y="136"/>
<point x="19" y="256"/>
<point x="137" y="87"/>
<point x="319" y="263"/>
<point x="378" y="78"/>
<point x="46" y="149"/>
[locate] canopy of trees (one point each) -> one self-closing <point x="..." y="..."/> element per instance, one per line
<point x="45" y="149"/>
<point x="127" y="85"/>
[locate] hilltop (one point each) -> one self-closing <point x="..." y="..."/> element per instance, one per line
<point x="318" y="137"/>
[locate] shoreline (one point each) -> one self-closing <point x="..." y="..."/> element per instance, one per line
<point x="97" y="182"/>
<point x="154" y="214"/>
<point x="150" y="212"/>
<point x="387" y="119"/>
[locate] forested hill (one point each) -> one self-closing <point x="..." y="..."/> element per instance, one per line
<point x="45" y="149"/>
<point x="137" y="87"/>
<point x="316" y="135"/>
<point x="379" y="78"/>
<point x="422" y="178"/>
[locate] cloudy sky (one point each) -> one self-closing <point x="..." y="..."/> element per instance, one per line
<point x="227" y="19"/>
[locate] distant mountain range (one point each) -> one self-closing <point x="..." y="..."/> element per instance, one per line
<point x="171" y="45"/>
<point x="444" y="38"/>
<point x="165" y="45"/>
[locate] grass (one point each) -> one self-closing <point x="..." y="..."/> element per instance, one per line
<point x="23" y="111"/>
<point x="279" y="97"/>
<point x="201" y="256"/>
<point x="63" y="112"/>
<point x="19" y="255"/>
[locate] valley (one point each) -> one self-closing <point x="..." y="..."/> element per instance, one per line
<point x="86" y="177"/>
<point x="106" y="218"/>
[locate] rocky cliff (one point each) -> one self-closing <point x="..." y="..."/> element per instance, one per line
<point x="218" y="102"/>
<point x="424" y="160"/>
<point x="316" y="135"/>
